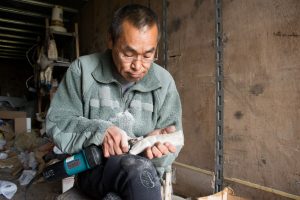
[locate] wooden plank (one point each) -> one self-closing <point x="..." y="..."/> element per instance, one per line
<point x="76" y="40"/>
<point x="191" y="62"/>
<point x="261" y="61"/>
<point x="12" y="114"/>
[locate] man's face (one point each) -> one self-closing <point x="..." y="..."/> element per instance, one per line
<point x="134" y="51"/>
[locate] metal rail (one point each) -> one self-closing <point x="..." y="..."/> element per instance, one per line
<point x="22" y="12"/>
<point x="219" y="98"/>
<point x="12" y="50"/>
<point x="45" y="5"/>
<point x="12" y="57"/>
<point x="17" y="37"/>
<point x="26" y="13"/>
<point x="12" y="53"/>
<point x="18" y="30"/>
<point x="15" y="42"/>
<point x="12" y="47"/>
<point x="164" y="34"/>
<point x="21" y="23"/>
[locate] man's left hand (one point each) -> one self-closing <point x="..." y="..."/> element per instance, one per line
<point x="159" y="149"/>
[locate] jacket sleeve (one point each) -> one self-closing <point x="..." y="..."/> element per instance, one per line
<point x="169" y="114"/>
<point x="65" y="121"/>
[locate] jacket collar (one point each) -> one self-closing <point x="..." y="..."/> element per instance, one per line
<point x="104" y="73"/>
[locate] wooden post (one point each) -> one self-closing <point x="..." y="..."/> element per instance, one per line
<point x="77" y="40"/>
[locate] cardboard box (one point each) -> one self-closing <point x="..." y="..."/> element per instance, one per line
<point x="226" y="194"/>
<point x="21" y="123"/>
<point x="12" y="114"/>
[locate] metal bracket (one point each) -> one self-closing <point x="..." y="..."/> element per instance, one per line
<point x="219" y="98"/>
<point x="164" y="34"/>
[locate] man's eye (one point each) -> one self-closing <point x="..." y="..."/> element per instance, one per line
<point x="129" y="55"/>
<point x="148" y="56"/>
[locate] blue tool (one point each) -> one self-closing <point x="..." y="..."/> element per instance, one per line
<point x="86" y="159"/>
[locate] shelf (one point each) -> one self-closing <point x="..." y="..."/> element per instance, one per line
<point x="67" y="45"/>
<point x="71" y="34"/>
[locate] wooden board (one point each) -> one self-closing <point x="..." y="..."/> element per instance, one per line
<point x="191" y="62"/>
<point x="262" y="92"/>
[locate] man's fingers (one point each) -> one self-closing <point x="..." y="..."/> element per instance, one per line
<point x="117" y="149"/>
<point x="149" y="153"/>
<point x="110" y="144"/>
<point x="170" y="147"/>
<point x="116" y="143"/>
<point x="170" y="129"/>
<point x="105" y="148"/>
<point x="156" y="152"/>
<point x="124" y="141"/>
<point x="116" y="140"/>
<point x="155" y="132"/>
<point x="105" y="152"/>
<point x="162" y="148"/>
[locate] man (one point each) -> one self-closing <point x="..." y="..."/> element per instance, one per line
<point x="120" y="91"/>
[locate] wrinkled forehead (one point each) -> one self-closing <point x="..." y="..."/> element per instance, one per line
<point x="144" y="38"/>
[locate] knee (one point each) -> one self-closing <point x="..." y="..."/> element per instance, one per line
<point x="140" y="168"/>
<point x="136" y="163"/>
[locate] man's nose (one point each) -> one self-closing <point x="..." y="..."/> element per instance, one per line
<point x="136" y="64"/>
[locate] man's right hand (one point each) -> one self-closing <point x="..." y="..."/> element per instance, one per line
<point x="115" y="142"/>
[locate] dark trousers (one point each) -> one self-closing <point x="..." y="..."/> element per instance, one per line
<point x="130" y="177"/>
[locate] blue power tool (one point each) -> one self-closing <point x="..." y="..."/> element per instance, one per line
<point x="86" y="159"/>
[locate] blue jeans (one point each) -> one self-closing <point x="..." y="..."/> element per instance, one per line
<point x="130" y="177"/>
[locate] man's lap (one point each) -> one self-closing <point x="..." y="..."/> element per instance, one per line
<point x="127" y="175"/>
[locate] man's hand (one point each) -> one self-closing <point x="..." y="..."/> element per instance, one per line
<point x="115" y="142"/>
<point x="159" y="149"/>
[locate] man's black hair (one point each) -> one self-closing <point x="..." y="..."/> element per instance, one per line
<point x="138" y="15"/>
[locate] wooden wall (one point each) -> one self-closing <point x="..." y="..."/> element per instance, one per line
<point x="262" y="92"/>
<point x="262" y="97"/>
<point x="192" y="63"/>
<point x="262" y="107"/>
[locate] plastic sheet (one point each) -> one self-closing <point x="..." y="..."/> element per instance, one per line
<point x="8" y="189"/>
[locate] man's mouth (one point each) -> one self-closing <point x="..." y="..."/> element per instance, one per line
<point x="135" y="75"/>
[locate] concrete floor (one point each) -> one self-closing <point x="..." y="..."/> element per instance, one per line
<point x="39" y="191"/>
<point x="43" y="190"/>
<point x="47" y="191"/>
